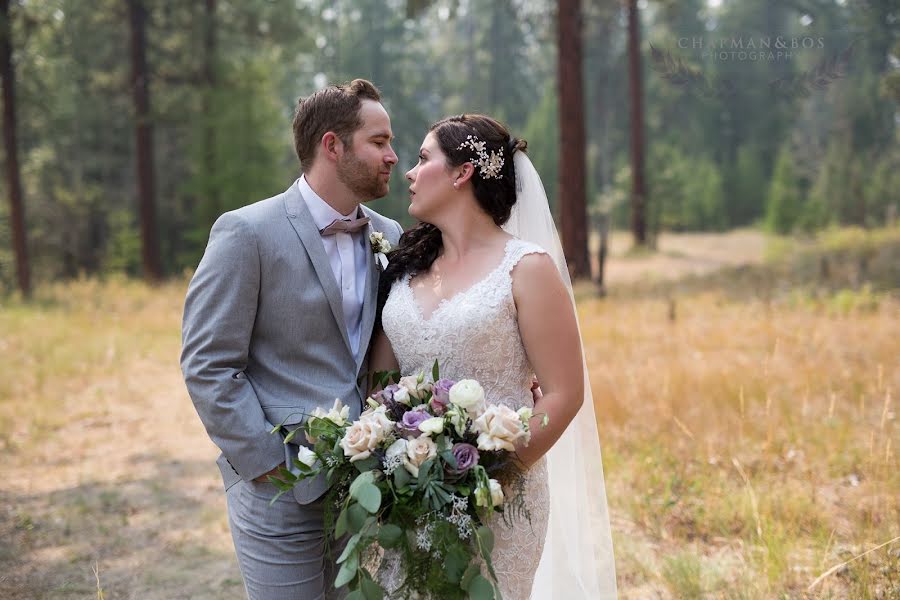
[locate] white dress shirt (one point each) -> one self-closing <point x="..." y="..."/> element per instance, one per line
<point x="347" y="257"/>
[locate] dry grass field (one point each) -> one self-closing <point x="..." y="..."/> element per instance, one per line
<point x="747" y="410"/>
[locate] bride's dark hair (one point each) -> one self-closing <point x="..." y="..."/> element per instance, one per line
<point x="420" y="245"/>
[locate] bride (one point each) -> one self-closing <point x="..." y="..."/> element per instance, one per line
<point x="481" y="285"/>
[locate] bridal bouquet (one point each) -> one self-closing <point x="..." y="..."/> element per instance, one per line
<point x="418" y="473"/>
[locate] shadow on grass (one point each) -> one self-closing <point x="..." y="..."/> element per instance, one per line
<point x="159" y="534"/>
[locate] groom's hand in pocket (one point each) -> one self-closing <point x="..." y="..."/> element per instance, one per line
<point x="264" y="478"/>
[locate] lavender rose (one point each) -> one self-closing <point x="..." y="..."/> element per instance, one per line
<point x="409" y="426"/>
<point x="466" y="456"/>
<point x="440" y="398"/>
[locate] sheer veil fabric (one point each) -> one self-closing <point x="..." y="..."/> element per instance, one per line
<point x="577" y="561"/>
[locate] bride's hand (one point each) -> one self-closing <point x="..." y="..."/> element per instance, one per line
<point x="536" y="393"/>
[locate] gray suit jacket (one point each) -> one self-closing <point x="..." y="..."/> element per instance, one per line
<point x="263" y="335"/>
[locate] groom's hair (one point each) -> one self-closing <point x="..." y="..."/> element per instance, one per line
<point x="334" y="108"/>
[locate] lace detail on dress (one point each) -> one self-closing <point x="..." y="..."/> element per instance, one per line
<point x="475" y="335"/>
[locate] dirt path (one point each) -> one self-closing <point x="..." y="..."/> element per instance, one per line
<point x="680" y="255"/>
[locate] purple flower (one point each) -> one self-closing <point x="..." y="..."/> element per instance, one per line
<point x="440" y="398"/>
<point x="409" y="426"/>
<point x="388" y="392"/>
<point x="466" y="456"/>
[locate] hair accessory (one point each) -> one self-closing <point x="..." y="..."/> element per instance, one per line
<point x="489" y="165"/>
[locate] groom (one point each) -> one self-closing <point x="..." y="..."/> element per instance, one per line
<point x="277" y="322"/>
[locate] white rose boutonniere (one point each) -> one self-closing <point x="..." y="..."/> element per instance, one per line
<point x="380" y="247"/>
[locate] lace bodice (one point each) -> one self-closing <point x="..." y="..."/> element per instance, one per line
<point x="475" y="335"/>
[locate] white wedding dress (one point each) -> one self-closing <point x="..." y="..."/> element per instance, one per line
<point x="475" y="335"/>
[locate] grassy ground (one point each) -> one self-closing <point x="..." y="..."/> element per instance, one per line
<point x="750" y="438"/>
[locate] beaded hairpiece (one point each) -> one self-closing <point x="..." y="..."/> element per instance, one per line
<point x="489" y="165"/>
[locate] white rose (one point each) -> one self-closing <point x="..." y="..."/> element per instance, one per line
<point x="398" y="448"/>
<point x="365" y="435"/>
<point x="467" y="394"/>
<point x="499" y="428"/>
<point x="306" y="456"/>
<point x="434" y="425"/>
<point x="418" y="450"/>
<point x="492" y="496"/>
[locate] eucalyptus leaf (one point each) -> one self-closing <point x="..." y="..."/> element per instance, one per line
<point x="361" y="480"/>
<point x="348" y="571"/>
<point x="435" y="371"/>
<point x="350" y="547"/>
<point x="486" y="539"/>
<point x="471" y="571"/>
<point x="371" y="590"/>
<point x="401" y="478"/>
<point x="369" y="497"/>
<point x="356" y="517"/>
<point x="480" y="588"/>
<point x="340" y="526"/>
<point x="367" y="465"/>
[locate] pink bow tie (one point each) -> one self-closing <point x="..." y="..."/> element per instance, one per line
<point x="345" y="226"/>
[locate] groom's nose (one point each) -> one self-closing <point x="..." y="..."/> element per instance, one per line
<point x="391" y="157"/>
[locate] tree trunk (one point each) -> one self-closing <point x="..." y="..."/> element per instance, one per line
<point x="602" y="251"/>
<point x="638" y="191"/>
<point x="209" y="84"/>
<point x="144" y="141"/>
<point x="17" y="212"/>
<point x="572" y="194"/>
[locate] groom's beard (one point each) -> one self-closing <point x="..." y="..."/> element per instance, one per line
<point x="363" y="180"/>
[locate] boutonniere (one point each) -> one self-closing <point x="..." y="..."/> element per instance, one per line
<point x="380" y="248"/>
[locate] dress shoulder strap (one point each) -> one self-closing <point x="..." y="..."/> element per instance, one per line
<point x="516" y="250"/>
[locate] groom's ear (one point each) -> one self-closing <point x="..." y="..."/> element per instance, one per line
<point x="332" y="146"/>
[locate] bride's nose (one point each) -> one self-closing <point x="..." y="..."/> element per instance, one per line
<point x="410" y="175"/>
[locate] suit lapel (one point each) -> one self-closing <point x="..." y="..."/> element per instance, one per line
<point x="370" y="299"/>
<point x="301" y="220"/>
